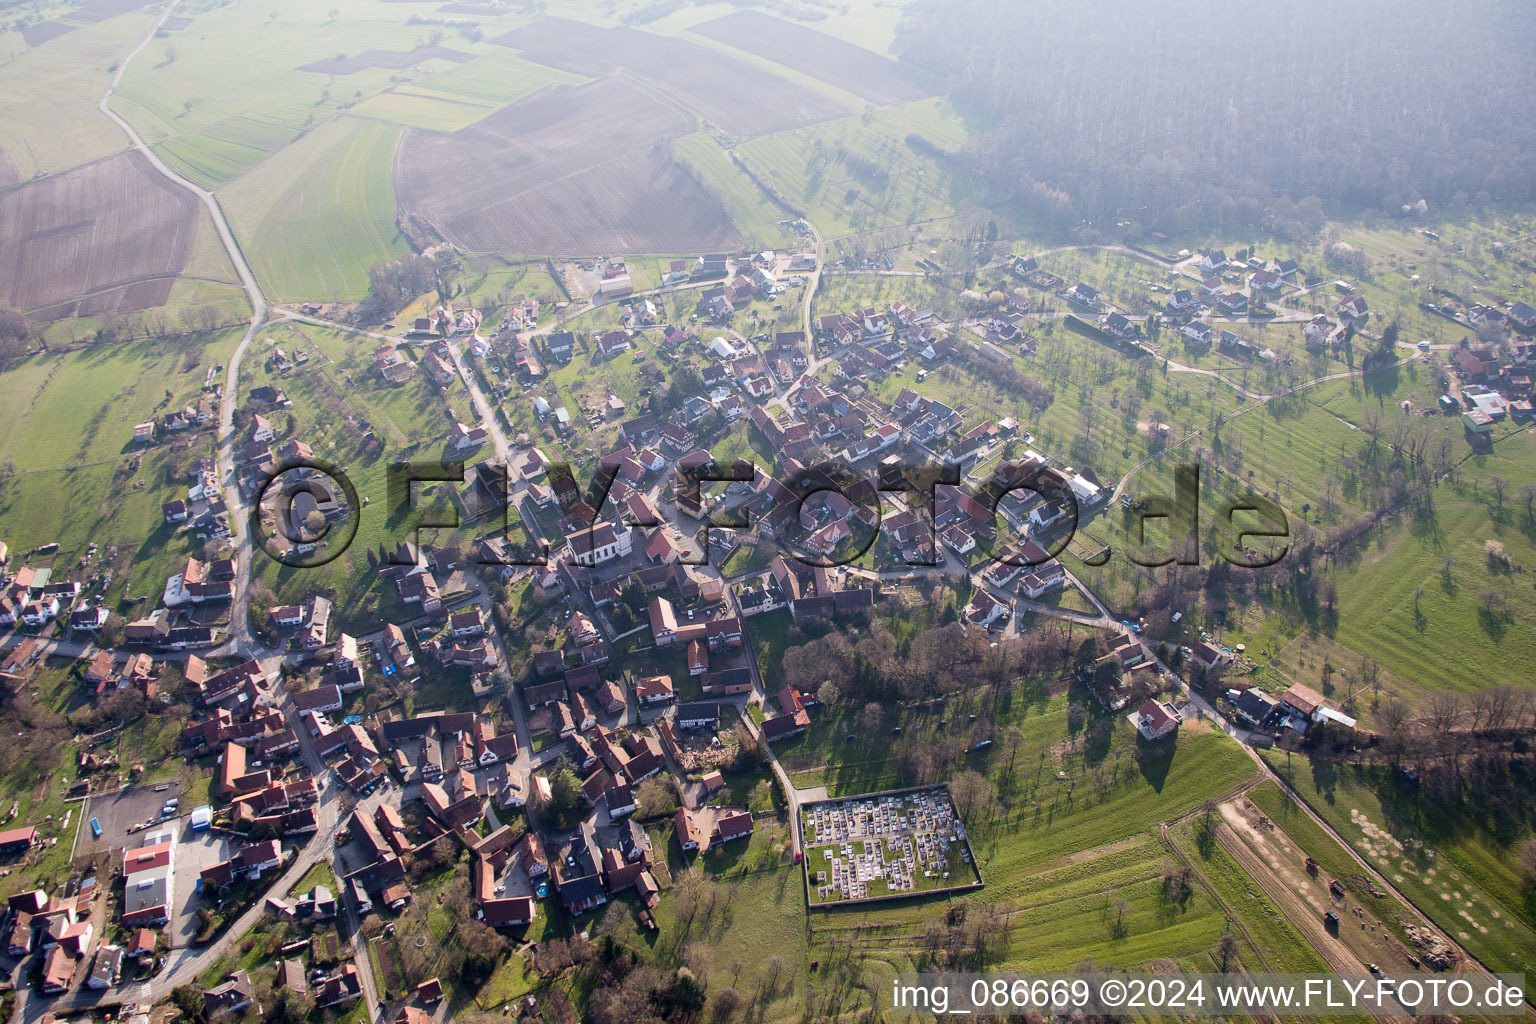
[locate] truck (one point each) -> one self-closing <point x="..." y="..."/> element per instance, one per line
<point x="95" y="828"/>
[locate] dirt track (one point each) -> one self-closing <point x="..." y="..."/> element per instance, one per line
<point x="1272" y="860"/>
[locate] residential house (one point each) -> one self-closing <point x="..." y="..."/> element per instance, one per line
<point x="698" y="716"/>
<point x="232" y="996"/>
<point x="730" y="827"/>
<point x="1157" y="719"/>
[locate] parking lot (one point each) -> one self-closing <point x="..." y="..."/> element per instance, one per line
<point x="117" y="812"/>
<point x="194" y="852"/>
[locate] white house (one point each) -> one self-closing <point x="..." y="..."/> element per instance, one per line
<point x="1042" y="579"/>
<point x="600" y="544"/>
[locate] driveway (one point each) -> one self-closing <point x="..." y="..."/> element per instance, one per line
<point x="194" y="852"/>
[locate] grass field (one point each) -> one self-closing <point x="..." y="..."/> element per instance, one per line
<point x="105" y="389"/>
<point x="1399" y="601"/>
<point x="458" y="96"/>
<point x="77" y="487"/>
<point x="1112" y="805"/>
<point x="59" y="84"/>
<point x="42" y="804"/>
<point x="496" y="277"/>
<point x="1275" y="944"/>
<point x="1432" y="640"/>
<point x="755" y="217"/>
<point x="315" y="216"/>
<point x="858" y="173"/>
<point x="220" y="98"/>
<point x="320" y="874"/>
<point x="1465" y="883"/>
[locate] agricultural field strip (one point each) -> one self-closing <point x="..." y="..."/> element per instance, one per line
<point x="520" y="181"/>
<point x="739" y="98"/>
<point x="316" y="216"/>
<point x="1435" y="899"/>
<point x="849" y="67"/>
<point x="106" y="237"/>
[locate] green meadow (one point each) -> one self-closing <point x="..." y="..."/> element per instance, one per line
<point x="317" y="215"/>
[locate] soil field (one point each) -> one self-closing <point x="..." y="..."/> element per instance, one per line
<point x="738" y="98"/>
<point x="845" y="65"/>
<point x="393" y="60"/>
<point x="108" y="237"/>
<point x="37" y="35"/>
<point x="101" y="10"/>
<point x="567" y="171"/>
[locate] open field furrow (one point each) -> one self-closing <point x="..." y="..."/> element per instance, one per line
<point x="520" y="182"/>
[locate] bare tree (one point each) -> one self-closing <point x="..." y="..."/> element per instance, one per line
<point x="1226" y="951"/>
<point x="1393" y="715"/>
<point x="1444" y="712"/>
<point x="972" y="792"/>
<point x="1528" y="498"/>
<point x="1121" y="907"/>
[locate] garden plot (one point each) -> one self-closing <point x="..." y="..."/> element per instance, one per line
<point x="885" y="845"/>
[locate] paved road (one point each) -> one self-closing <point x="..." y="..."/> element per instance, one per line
<point x="812" y="283"/>
<point x="185" y="964"/>
<point x="240" y="641"/>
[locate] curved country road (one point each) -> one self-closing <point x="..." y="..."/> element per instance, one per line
<point x="240" y="641"/>
<point x="186" y="964"/>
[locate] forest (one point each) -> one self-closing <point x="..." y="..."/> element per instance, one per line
<point x="1176" y="116"/>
